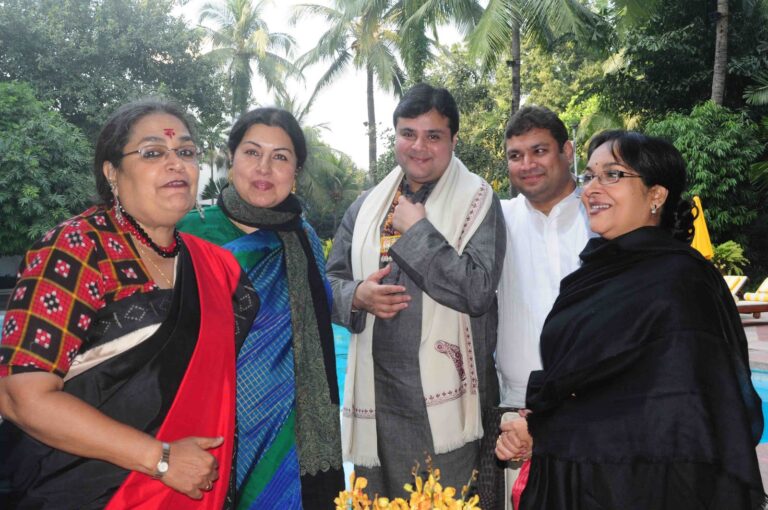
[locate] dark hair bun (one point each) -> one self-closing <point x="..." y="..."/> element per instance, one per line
<point x="682" y="226"/>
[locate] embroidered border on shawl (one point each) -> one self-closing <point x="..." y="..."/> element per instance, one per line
<point x="363" y="414"/>
<point x="446" y="396"/>
<point x="474" y="209"/>
<point x="467" y="337"/>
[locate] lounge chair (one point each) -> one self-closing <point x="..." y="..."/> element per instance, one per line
<point x="755" y="302"/>
<point x="735" y="284"/>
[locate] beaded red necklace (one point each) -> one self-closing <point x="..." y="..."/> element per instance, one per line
<point x="132" y="226"/>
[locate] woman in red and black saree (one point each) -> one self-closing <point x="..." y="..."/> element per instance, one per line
<point x="117" y="361"/>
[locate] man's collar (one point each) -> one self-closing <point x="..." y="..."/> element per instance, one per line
<point x="572" y="200"/>
<point x="420" y="196"/>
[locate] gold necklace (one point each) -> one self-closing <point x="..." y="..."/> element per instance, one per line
<point x="168" y="280"/>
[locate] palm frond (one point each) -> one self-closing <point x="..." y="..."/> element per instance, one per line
<point x="491" y="36"/>
<point x="758" y="94"/>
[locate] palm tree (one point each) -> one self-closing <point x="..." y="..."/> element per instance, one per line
<point x="359" y="35"/>
<point x="414" y="18"/>
<point x="504" y="21"/>
<point x="328" y="184"/>
<point x="242" y="40"/>
<point x="216" y="156"/>
<point x="720" y="68"/>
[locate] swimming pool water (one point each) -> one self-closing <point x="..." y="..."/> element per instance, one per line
<point x="760" y="382"/>
<point x="341" y="343"/>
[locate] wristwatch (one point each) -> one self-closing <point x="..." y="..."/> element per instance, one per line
<point x="163" y="465"/>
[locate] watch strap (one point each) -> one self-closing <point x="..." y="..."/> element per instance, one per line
<point x="162" y="465"/>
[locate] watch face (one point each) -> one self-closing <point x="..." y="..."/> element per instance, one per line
<point x="162" y="467"/>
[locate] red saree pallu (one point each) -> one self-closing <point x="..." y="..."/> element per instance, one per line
<point x="204" y="405"/>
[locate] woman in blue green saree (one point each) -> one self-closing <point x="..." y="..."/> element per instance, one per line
<point x="289" y="446"/>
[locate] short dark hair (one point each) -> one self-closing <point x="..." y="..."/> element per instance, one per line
<point x="116" y="131"/>
<point x="274" y="117"/>
<point x="657" y="161"/>
<point x="536" y="117"/>
<point x="422" y="98"/>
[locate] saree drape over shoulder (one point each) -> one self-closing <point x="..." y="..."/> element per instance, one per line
<point x="165" y="366"/>
<point x="289" y="452"/>
<point x="645" y="399"/>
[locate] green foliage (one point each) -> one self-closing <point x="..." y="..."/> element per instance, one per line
<point x="559" y="75"/>
<point x="327" y="185"/>
<point x="88" y="57"/>
<point x="541" y="21"/>
<point x="729" y="258"/>
<point x="718" y="146"/>
<point x="665" y="63"/>
<point x="44" y="168"/>
<point x="386" y="161"/>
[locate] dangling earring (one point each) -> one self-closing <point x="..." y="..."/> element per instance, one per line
<point x="293" y="188"/>
<point x="200" y="210"/>
<point x="654" y="208"/>
<point x="116" y="201"/>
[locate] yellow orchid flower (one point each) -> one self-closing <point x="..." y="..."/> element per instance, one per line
<point x="424" y="495"/>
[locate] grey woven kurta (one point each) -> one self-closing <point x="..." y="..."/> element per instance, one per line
<point x="422" y="261"/>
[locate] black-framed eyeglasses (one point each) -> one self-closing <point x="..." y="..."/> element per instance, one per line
<point x="606" y="177"/>
<point x="186" y="153"/>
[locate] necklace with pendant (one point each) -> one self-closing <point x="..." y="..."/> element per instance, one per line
<point x="168" y="280"/>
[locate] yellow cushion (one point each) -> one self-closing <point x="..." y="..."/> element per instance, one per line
<point x="734" y="282"/>
<point x="756" y="296"/>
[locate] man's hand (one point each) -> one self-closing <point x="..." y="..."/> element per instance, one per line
<point x="383" y="301"/>
<point x="406" y="214"/>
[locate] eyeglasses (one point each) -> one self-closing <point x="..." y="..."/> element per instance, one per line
<point x="153" y="153"/>
<point x="606" y="177"/>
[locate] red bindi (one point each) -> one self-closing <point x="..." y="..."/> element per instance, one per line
<point x="169" y="132"/>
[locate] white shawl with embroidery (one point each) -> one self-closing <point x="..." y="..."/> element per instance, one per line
<point x="456" y="208"/>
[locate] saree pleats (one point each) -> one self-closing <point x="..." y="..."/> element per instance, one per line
<point x="265" y="376"/>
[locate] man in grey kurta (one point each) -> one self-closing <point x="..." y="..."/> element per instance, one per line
<point x="422" y="260"/>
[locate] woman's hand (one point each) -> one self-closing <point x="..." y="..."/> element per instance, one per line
<point x="191" y="468"/>
<point x="514" y="442"/>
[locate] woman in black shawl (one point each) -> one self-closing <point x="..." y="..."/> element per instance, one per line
<point x="645" y="399"/>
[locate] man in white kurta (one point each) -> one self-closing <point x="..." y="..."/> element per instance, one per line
<point x="547" y="228"/>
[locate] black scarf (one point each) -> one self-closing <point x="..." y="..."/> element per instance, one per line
<point x="317" y="401"/>
<point x="644" y="357"/>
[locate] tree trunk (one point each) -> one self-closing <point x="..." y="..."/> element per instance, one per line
<point x="371" y="122"/>
<point x="720" y="68"/>
<point x="514" y="64"/>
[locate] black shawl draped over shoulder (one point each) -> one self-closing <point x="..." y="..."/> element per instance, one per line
<point x="645" y="399"/>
